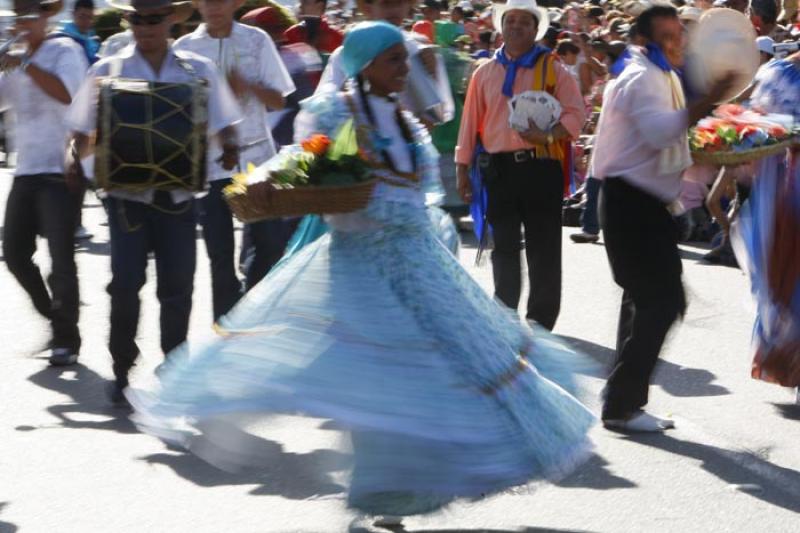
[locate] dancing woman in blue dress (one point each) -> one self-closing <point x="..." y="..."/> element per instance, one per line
<point x="377" y="326"/>
<point x="767" y="236"/>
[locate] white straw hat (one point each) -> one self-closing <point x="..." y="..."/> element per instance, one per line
<point x="498" y="10"/>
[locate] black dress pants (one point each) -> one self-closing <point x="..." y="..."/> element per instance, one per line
<point x="41" y="205"/>
<point x="526" y="194"/>
<point x="642" y="245"/>
<point x="217" y="223"/>
<point x="263" y="245"/>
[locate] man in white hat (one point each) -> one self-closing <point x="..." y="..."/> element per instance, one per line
<point x="523" y="175"/>
<point x="161" y="221"/>
<point x="259" y="79"/>
<point x="640" y="152"/>
<point x="38" y="87"/>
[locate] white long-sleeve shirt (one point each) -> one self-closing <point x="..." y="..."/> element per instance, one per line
<point x="637" y="123"/>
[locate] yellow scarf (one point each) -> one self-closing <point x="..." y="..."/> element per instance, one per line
<point x="675" y="158"/>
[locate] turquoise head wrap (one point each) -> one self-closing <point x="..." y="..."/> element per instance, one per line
<point x="365" y="42"/>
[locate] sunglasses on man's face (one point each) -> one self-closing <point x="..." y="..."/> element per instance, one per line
<point x="137" y="19"/>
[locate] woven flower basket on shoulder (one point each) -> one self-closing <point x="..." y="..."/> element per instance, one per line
<point x="263" y="201"/>
<point x="737" y="158"/>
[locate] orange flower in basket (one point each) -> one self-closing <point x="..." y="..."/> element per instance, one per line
<point x="316" y="144"/>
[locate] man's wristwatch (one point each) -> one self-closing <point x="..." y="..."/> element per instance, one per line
<point x="550" y="139"/>
<point x="25" y="63"/>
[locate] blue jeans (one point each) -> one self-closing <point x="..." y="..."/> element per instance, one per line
<point x="217" y="223"/>
<point x="168" y="230"/>
<point x="589" y="221"/>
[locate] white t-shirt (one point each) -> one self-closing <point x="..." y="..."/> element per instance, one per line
<point x="223" y="111"/>
<point x="40" y="129"/>
<point x="252" y="54"/>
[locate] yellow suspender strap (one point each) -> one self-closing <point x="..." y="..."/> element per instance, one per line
<point x="544" y="79"/>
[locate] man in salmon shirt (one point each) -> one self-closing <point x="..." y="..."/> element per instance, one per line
<point x="523" y="177"/>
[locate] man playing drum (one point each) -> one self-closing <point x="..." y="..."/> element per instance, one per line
<point x="149" y="218"/>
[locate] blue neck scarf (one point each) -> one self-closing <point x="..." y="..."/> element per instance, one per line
<point x="657" y="57"/>
<point x="527" y="60"/>
<point x="618" y="66"/>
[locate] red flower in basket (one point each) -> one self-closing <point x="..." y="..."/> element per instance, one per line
<point x="317" y="144"/>
<point x="777" y="131"/>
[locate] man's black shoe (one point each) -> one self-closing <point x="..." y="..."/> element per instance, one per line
<point x="63" y="357"/>
<point x="116" y="393"/>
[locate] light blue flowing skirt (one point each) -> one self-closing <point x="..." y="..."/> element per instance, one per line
<point x="446" y="393"/>
<point x="770" y="253"/>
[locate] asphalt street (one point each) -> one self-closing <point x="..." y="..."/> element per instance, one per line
<point x="70" y="463"/>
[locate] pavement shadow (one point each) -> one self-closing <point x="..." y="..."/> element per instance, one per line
<point x="89" y="408"/>
<point x="521" y="530"/>
<point x="468" y="239"/>
<point x="402" y="529"/>
<point x="692" y="255"/>
<point x="332" y="425"/>
<point x="676" y="380"/>
<point x="6" y="527"/>
<point x="789" y="411"/>
<point x="753" y="475"/>
<point x="594" y="474"/>
<point x="256" y="461"/>
<point x="92" y="247"/>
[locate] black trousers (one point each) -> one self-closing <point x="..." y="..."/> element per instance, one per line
<point x="529" y="195"/>
<point x="642" y="245"/>
<point x="78" y="196"/>
<point x="263" y="245"/>
<point x="41" y="205"/>
<point x="168" y="230"/>
<point x="217" y="223"/>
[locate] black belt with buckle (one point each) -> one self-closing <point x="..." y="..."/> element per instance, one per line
<point x="519" y="156"/>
